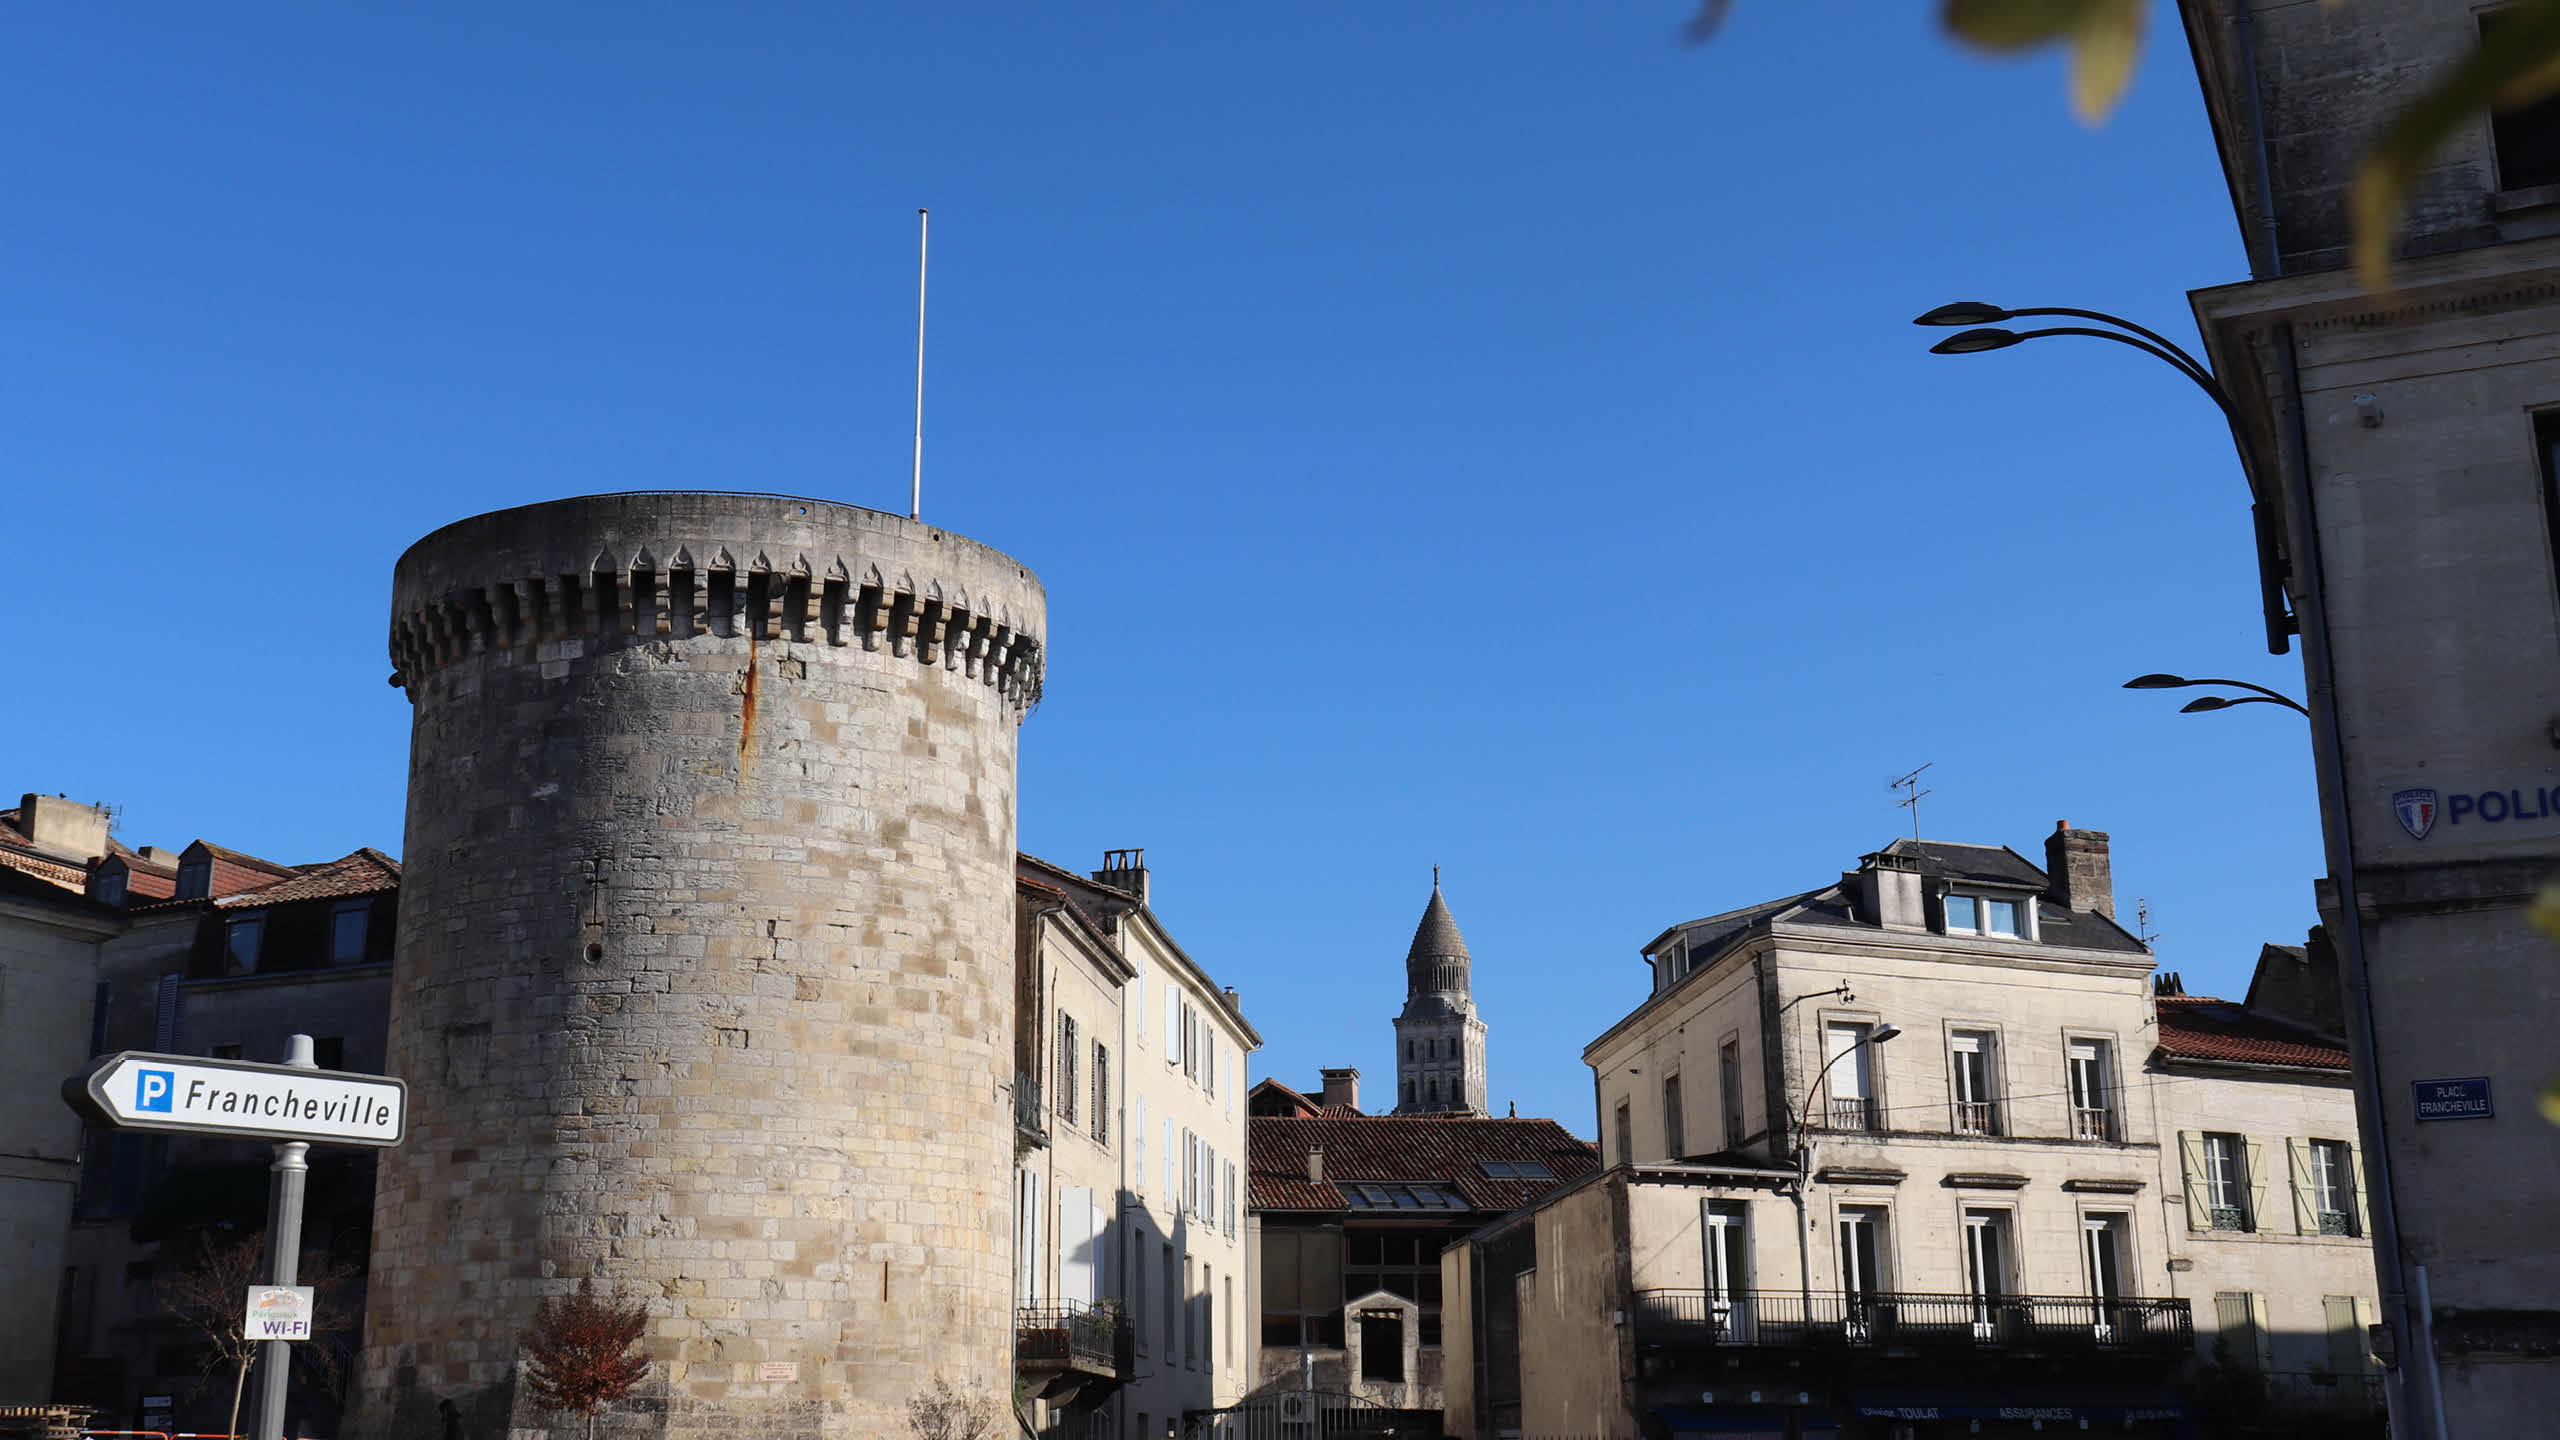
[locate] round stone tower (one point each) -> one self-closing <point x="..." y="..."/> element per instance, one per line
<point x="704" y="980"/>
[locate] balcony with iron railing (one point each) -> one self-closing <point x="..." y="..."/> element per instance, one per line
<point x="1030" y="1121"/>
<point x="1059" y="1349"/>
<point x="1849" y="1112"/>
<point x="1894" y="1321"/>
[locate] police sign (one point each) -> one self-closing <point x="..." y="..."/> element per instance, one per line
<point x="135" y="1090"/>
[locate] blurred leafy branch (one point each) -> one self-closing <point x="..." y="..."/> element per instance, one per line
<point x="2518" y="62"/>
<point x="2546" y="918"/>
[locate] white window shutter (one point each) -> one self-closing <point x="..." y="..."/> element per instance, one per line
<point x="1075" y="1245"/>
<point x="2306" y="1204"/>
<point x="1138" y="1009"/>
<point x="1172" y="1023"/>
<point x="2191" y="1165"/>
<point x="2257" y="1154"/>
<point x="1138" y="1136"/>
<point x="2355" y="1176"/>
<point x="1172" y="1169"/>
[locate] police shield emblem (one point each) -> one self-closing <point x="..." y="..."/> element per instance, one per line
<point x="2417" y="811"/>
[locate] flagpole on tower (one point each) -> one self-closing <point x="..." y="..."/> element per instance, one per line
<point x="915" y="488"/>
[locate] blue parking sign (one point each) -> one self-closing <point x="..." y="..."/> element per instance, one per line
<point x="154" y="1090"/>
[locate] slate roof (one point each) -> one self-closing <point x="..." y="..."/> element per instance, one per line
<point x="1992" y="865"/>
<point x="2202" y="1027"/>
<point x="366" y="872"/>
<point x="1441" y="1149"/>
<point x="1989" y="864"/>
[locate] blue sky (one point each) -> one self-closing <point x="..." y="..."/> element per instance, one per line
<point x="1482" y="435"/>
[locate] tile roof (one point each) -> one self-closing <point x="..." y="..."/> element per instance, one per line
<point x="1389" y="1148"/>
<point x="1437" y="936"/>
<point x="2201" y="1027"/>
<point x="366" y="872"/>
<point x="53" y="869"/>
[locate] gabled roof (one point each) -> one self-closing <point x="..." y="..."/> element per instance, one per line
<point x="1270" y="1097"/>
<point x="2206" y="1029"/>
<point x="1440" y="1149"/>
<point x="366" y="872"/>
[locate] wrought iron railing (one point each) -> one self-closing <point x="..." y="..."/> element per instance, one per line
<point x="2337" y="1222"/>
<point x="1850" y="1113"/>
<point x="1072" y="1336"/>
<point x="2321" y="1393"/>
<point x="2091" y="1122"/>
<point x="1976" y="1117"/>
<point x="1894" y="1320"/>
<point x="1029" y="1120"/>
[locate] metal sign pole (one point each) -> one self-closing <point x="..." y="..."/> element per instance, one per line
<point x="284" y="1255"/>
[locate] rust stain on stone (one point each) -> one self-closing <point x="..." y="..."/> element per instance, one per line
<point x="747" y="713"/>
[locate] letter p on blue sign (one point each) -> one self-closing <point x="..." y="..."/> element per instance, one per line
<point x="154" y="1090"/>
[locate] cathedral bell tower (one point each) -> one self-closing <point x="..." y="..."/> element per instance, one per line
<point x="1439" y="1040"/>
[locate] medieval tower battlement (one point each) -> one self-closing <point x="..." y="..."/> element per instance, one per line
<point x="704" y="973"/>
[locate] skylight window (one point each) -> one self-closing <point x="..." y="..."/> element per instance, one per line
<point x="1514" y="1170"/>
<point x="1360" y="1195"/>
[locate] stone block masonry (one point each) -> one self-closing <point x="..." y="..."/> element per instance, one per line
<point x="704" y="974"/>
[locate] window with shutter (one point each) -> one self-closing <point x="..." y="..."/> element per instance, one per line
<point x="2236" y="1329"/>
<point x="1102" y="1092"/>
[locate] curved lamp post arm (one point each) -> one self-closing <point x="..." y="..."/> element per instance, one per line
<point x="2203" y="378"/>
<point x="2274" y="696"/>
<point x="2179" y="353"/>
<point x="2224" y="702"/>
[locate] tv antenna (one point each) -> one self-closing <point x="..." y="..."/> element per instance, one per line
<point x="2142" y="930"/>
<point x="1911" y="802"/>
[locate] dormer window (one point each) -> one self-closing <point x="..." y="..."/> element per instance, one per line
<point x="111" y="886"/>
<point x="1984" y="915"/>
<point x="195" y="877"/>
<point x="240" y="944"/>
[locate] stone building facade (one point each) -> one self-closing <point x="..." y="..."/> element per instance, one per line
<point x="1917" y="1150"/>
<point x="2404" y="444"/>
<point x="706" y="984"/>
<point x="1129" y="1213"/>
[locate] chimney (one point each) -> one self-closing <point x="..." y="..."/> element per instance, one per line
<point x="2077" y="875"/>
<point x="1889" y="891"/>
<point x="1341" y="1089"/>
<point x="1124" y="870"/>
<point x="63" y="828"/>
<point x="1315" y="1164"/>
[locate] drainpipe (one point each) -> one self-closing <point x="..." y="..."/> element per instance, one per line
<point x="2329" y="759"/>
<point x="2273" y="265"/>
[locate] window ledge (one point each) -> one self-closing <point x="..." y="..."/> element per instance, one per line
<point x="2531" y="197"/>
<point x="1859" y="1175"/>
<point x="2104" y="1187"/>
<point x="1985" y="1180"/>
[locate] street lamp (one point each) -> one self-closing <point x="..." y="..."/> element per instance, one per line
<point x="2261" y="694"/>
<point x="1984" y="336"/>
<point x="1804" y="1159"/>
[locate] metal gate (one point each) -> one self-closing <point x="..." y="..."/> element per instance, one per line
<point x="1307" y="1415"/>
